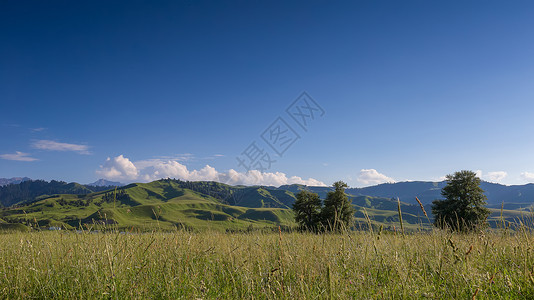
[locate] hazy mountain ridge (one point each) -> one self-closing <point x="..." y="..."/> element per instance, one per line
<point x="104" y="182"/>
<point x="512" y="196"/>
<point x="13" y="180"/>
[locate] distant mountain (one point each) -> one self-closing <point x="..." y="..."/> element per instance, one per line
<point x="14" y="180"/>
<point x="513" y="196"/>
<point x="103" y="182"/>
<point x="426" y="191"/>
<point x="406" y="191"/>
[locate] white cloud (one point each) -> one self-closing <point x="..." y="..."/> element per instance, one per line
<point x="121" y="168"/>
<point x="118" y="168"/>
<point x="56" y="146"/>
<point x="496" y="176"/>
<point x="255" y="177"/>
<point x="371" y="177"/>
<point x="19" y="156"/>
<point x="527" y="176"/>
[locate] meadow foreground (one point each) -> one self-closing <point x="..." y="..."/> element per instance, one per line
<point x="209" y="265"/>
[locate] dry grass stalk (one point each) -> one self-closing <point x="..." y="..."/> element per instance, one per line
<point x="400" y="215"/>
<point x="422" y="207"/>
<point x="469" y="251"/>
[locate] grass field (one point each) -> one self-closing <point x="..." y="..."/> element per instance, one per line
<point x="266" y="265"/>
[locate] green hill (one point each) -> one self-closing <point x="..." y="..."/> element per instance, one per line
<point x="248" y="196"/>
<point x="162" y="204"/>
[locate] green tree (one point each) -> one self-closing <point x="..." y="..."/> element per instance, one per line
<point x="464" y="206"/>
<point x="337" y="212"/>
<point x="307" y="210"/>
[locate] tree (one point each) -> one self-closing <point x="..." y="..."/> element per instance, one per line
<point x="337" y="212"/>
<point x="307" y="210"/>
<point x="464" y="206"/>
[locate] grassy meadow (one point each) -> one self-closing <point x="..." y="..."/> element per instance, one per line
<point x="267" y="265"/>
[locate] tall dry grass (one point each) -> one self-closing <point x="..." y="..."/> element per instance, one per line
<point x="213" y="265"/>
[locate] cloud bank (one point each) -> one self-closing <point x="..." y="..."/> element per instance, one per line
<point x="527" y="176"/>
<point x="57" y="146"/>
<point x="373" y="177"/>
<point x="495" y="176"/>
<point x="122" y="169"/>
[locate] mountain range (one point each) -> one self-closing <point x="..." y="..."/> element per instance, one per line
<point x="513" y="196"/>
<point x="170" y="203"/>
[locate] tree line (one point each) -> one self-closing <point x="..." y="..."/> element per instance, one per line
<point x="28" y="191"/>
<point x="462" y="210"/>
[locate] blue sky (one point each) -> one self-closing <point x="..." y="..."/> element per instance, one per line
<point x="134" y="91"/>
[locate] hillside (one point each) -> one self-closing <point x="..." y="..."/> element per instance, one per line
<point x="160" y="204"/>
<point x="247" y="196"/>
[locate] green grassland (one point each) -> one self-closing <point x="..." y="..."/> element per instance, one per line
<point x="259" y="265"/>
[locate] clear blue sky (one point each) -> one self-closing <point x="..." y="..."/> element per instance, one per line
<point x="411" y="90"/>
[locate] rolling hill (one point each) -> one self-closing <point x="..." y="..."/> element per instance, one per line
<point x="162" y="204"/>
<point x="170" y="203"/>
